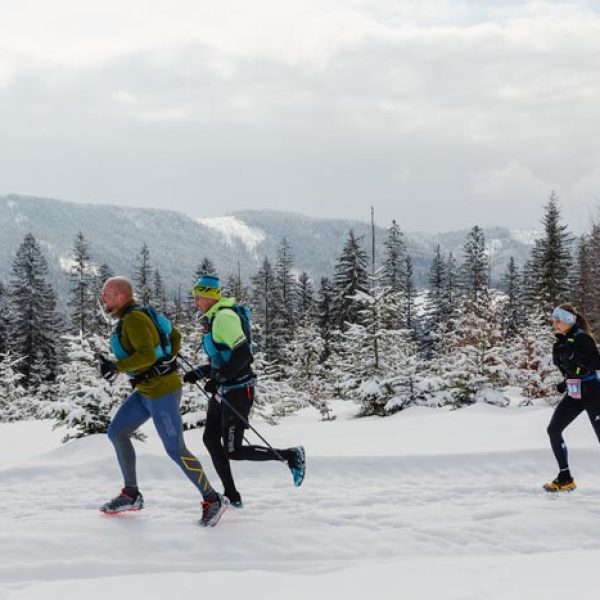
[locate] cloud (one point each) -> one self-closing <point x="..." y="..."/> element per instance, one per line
<point x="430" y="110"/>
<point x="512" y="190"/>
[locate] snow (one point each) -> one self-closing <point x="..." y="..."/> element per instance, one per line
<point x="427" y="503"/>
<point x="231" y="229"/>
<point x="68" y="265"/>
<point x="526" y="236"/>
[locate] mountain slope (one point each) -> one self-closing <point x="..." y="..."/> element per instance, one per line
<point x="178" y="243"/>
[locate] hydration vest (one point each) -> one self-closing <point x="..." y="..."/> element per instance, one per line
<point x="162" y="350"/>
<point x="220" y="354"/>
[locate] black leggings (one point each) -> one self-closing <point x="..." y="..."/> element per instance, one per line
<point x="224" y="437"/>
<point x="566" y="412"/>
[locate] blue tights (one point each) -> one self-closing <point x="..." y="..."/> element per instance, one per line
<point x="135" y="411"/>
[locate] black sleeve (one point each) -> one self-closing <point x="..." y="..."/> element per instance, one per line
<point x="585" y="353"/>
<point x="241" y="359"/>
<point x="555" y="359"/>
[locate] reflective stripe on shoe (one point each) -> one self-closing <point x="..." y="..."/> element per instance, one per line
<point x="123" y="503"/>
<point x="213" y="511"/>
<point x="298" y="465"/>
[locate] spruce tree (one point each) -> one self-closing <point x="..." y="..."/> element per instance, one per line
<point x="274" y="395"/>
<point x="159" y="293"/>
<point x="394" y="262"/>
<point x="15" y="405"/>
<point x="35" y="334"/>
<point x="408" y="293"/>
<point x="324" y="314"/>
<point x="380" y="370"/>
<point x="451" y="286"/>
<point x="513" y="317"/>
<point x="101" y="324"/>
<point x="305" y="297"/>
<point x="436" y="309"/>
<point x="234" y="286"/>
<point x="82" y="302"/>
<point x="549" y="266"/>
<point x="262" y="302"/>
<point x="206" y="267"/>
<point x="475" y="268"/>
<point x="470" y="359"/>
<point x="528" y="357"/>
<point x="5" y="319"/>
<point x="105" y="273"/>
<point x="143" y="276"/>
<point x="582" y="288"/>
<point x="350" y="278"/>
<point x="306" y="368"/>
<point x="286" y="289"/>
<point x="587" y="275"/>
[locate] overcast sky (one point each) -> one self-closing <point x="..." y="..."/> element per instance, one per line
<point x="441" y="114"/>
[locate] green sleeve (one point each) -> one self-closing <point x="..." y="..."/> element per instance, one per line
<point x="139" y="337"/>
<point x="227" y="329"/>
<point x="175" y="340"/>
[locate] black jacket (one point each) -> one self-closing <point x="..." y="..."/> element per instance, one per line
<point x="576" y="354"/>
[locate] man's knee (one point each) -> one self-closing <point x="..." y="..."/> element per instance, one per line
<point x="114" y="432"/>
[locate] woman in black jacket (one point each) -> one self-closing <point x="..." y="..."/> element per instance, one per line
<point x="576" y="355"/>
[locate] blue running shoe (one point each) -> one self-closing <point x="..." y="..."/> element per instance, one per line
<point x="297" y="464"/>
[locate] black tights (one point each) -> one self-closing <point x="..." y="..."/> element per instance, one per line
<point x="566" y="412"/>
<point x="224" y="437"/>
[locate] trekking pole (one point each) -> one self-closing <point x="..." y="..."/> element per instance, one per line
<point x="222" y="399"/>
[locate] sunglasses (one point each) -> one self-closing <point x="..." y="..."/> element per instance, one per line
<point x="200" y="290"/>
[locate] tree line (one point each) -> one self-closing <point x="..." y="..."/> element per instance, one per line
<point x="364" y="334"/>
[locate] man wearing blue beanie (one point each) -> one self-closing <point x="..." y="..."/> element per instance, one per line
<point x="226" y="341"/>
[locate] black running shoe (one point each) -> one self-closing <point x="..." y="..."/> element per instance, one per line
<point x="123" y="503"/>
<point x="213" y="511"/>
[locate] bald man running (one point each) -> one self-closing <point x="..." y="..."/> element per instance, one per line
<point x="136" y="343"/>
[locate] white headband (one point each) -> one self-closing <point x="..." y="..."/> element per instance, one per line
<point x="560" y="314"/>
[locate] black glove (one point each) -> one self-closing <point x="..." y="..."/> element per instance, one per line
<point x="108" y="369"/>
<point x="197" y="374"/>
<point x="561" y="387"/>
<point x="191" y="376"/>
<point x="211" y="386"/>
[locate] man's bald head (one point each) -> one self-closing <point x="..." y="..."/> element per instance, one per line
<point x="116" y="292"/>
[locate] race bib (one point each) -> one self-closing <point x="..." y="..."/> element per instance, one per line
<point x="574" y="388"/>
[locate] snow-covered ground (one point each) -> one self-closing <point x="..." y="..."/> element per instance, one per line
<point x="429" y="503"/>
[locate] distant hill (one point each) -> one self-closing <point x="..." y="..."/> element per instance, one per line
<point x="178" y="243"/>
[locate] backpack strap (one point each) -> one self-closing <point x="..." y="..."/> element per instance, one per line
<point x="165" y="365"/>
